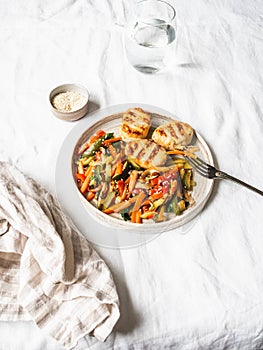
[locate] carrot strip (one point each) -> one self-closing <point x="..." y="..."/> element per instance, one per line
<point x="98" y="134"/>
<point x="87" y="144"/>
<point x="80" y="177"/>
<point x="156" y="196"/>
<point x="88" y="170"/>
<point x="90" y="196"/>
<point x="114" y="139"/>
<point x="182" y="153"/>
<point x="119" y="169"/>
<point x="87" y="180"/>
<point x="133" y="217"/>
<point x="121" y="187"/>
<point x="138" y="217"/>
<point x="176" y="151"/>
<point x="124" y="193"/>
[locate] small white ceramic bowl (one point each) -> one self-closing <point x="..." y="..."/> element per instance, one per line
<point x="74" y="114"/>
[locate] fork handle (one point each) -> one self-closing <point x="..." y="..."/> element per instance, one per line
<point x="222" y="175"/>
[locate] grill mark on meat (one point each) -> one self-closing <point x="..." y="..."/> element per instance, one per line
<point x="146" y="152"/>
<point x="131" y="117"/>
<point x="128" y="118"/>
<point x="133" y="152"/>
<point x="132" y="149"/>
<point x="141" y="153"/>
<point x="135" y="123"/>
<point x="130" y="131"/>
<point x="139" y="114"/>
<point x="180" y="128"/>
<point x="171" y="134"/>
<point x="129" y="149"/>
<point x="172" y="131"/>
<point x="162" y="132"/>
<point x="154" y="152"/>
<point x="142" y="127"/>
<point x="132" y="114"/>
<point x="145" y="119"/>
<point x="135" y="146"/>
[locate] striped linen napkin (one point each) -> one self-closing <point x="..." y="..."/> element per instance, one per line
<point x="49" y="272"/>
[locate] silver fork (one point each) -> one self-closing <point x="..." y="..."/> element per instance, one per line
<point x="211" y="172"/>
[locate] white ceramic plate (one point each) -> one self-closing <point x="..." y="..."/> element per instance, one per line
<point x="108" y="230"/>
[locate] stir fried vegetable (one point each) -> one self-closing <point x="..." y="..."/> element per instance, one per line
<point x="115" y="184"/>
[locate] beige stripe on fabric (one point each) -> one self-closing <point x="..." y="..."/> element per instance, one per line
<point x="49" y="272"/>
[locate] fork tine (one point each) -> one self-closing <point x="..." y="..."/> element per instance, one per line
<point x="200" y="166"/>
<point x="199" y="163"/>
<point x="211" y="172"/>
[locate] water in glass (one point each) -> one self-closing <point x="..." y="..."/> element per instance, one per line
<point x="149" y="44"/>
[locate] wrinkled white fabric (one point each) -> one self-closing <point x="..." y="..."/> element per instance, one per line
<point x="197" y="290"/>
<point x="49" y="272"/>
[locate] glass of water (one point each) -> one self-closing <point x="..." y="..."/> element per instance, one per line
<point x="150" y="35"/>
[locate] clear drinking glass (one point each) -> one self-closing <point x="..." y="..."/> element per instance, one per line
<point x="150" y="35"/>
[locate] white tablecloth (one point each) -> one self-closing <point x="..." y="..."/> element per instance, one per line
<point x="196" y="288"/>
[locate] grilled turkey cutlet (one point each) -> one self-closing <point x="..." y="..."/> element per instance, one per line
<point x="146" y="153"/>
<point x="135" y="124"/>
<point x="173" y="134"/>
